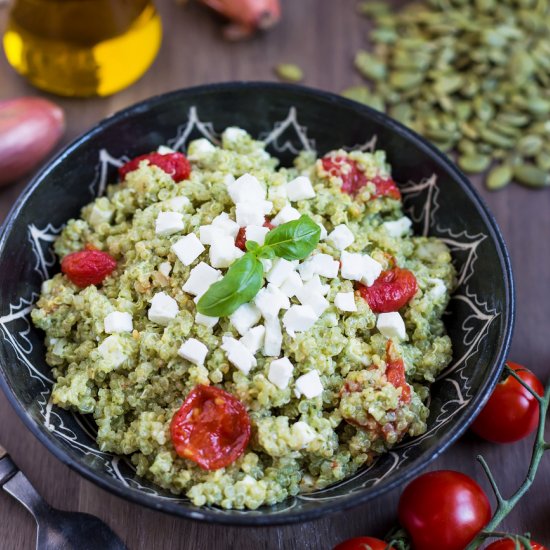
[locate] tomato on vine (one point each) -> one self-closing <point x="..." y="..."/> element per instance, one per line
<point x="443" y="509"/>
<point x="363" y="543"/>
<point x="512" y="412"/>
<point x="509" y="544"/>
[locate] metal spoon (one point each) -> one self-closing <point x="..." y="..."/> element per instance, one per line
<point x="57" y="530"/>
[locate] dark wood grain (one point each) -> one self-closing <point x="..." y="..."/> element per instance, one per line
<point x="321" y="36"/>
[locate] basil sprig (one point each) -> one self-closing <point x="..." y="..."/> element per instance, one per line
<point x="294" y="240"/>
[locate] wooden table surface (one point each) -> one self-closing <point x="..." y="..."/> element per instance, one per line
<point x="321" y="36"/>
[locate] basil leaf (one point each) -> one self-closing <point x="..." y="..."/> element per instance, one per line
<point x="265" y="252"/>
<point x="294" y="240"/>
<point x="252" y="246"/>
<point x="241" y="283"/>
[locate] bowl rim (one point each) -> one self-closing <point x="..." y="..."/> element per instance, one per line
<point x="323" y="508"/>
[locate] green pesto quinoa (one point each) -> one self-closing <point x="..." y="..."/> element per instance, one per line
<point x="133" y="370"/>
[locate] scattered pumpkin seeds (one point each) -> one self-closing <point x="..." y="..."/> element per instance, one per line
<point x="473" y="76"/>
<point x="289" y="72"/>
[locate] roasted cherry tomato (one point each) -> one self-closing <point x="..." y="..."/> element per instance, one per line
<point x="174" y="164"/>
<point x="443" y="509"/>
<point x="393" y="289"/>
<point x="212" y="428"/>
<point x="511" y="413"/>
<point x="354" y="179"/>
<point x="240" y="239"/>
<point x="509" y="544"/>
<point x="88" y="267"/>
<point x="363" y="543"/>
<point x="395" y="372"/>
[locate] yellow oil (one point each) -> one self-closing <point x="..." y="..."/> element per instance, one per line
<point x="82" y="47"/>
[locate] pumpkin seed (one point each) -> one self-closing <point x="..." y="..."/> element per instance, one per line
<point x="289" y="72"/>
<point x="369" y="66"/>
<point x="474" y="163"/>
<point x="499" y="177"/>
<point x="530" y="145"/>
<point x="531" y="175"/>
<point x="543" y="161"/>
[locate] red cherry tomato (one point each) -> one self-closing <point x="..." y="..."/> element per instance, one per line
<point x="354" y="179"/>
<point x="174" y="164"/>
<point x="393" y="289"/>
<point x="443" y="509"/>
<point x="395" y="372"/>
<point x="212" y="428"/>
<point x="511" y="413"/>
<point x="508" y="544"/>
<point x="240" y="239"/>
<point x="88" y="267"/>
<point x="363" y="543"/>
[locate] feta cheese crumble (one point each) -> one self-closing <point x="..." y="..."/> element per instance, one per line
<point x="188" y="249"/>
<point x="280" y="372"/>
<point x="299" y="189"/>
<point x="345" y="301"/>
<point x="163" y="309"/>
<point x="194" y="351"/>
<point x="399" y="227"/>
<point x="118" y="321"/>
<point x="168" y="223"/>
<point x="238" y="354"/>
<point x="299" y="319"/>
<point x="245" y="317"/>
<point x="309" y="385"/>
<point x="391" y="325"/>
<point x="200" y="279"/>
<point x="340" y="237"/>
<point x="360" y="267"/>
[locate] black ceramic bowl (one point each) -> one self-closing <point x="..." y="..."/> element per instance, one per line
<point x="438" y="198"/>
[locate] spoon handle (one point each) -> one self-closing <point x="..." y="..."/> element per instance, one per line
<point x="21" y="489"/>
<point x="7" y="467"/>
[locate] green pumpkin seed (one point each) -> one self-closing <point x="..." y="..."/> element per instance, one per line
<point x="289" y="72"/>
<point x="369" y="66"/>
<point x="543" y="161"/>
<point x="402" y="80"/>
<point x="499" y="177"/>
<point x="531" y="175"/>
<point x="474" y="163"/>
<point x="530" y="145"/>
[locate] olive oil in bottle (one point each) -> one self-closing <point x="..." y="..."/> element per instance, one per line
<point x="82" y="47"/>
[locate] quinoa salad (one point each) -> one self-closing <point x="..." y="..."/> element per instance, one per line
<point x="245" y="332"/>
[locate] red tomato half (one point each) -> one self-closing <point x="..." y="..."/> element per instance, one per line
<point x="443" y="509"/>
<point x="240" y="239"/>
<point x="88" y="267"/>
<point x="395" y="372"/>
<point x="363" y="543"/>
<point x="393" y="289"/>
<point x="511" y="413"/>
<point x="508" y="544"/>
<point x="212" y="428"/>
<point x="354" y="179"/>
<point x="174" y="164"/>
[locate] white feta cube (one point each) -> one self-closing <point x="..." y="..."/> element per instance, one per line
<point x="101" y="212"/>
<point x="320" y="264"/>
<point x="163" y="309"/>
<point x="323" y="232"/>
<point x="315" y="285"/>
<point x="309" y="385"/>
<point x="299" y="319"/>
<point x="438" y="287"/>
<point x="302" y="434"/>
<point x="315" y="300"/>
<point x="270" y="300"/>
<point x="291" y="285"/>
<point x="341" y="237"/>
<point x="168" y="223"/>
<point x="360" y="267"/>
<point x="252" y="213"/>
<point x="286" y="214"/>
<point x="112" y="352"/>
<point x="233" y="134"/>
<point x="206" y="320"/>
<point x="268" y="264"/>
<point x="165" y="268"/>
<point x="177" y="204"/>
<point x="226" y="224"/>
<point x="299" y="189"/>
<point x="254" y="338"/>
<point x="280" y="372"/>
<point x="244" y="317"/>
<point x="200" y="279"/>
<point x="208" y="234"/>
<point x="280" y="271"/>
<point x="256" y="233"/>
<point x="223" y="252"/>
<point x="273" y="339"/>
<point x="194" y="351"/>
<point x="188" y="249"/>
<point x="345" y="301"/>
<point x="165" y="150"/>
<point x="247" y="188"/>
<point x="238" y="354"/>
<point x="118" y="321"/>
<point x="399" y="227"/>
<point x="391" y="325"/>
<point x="200" y="149"/>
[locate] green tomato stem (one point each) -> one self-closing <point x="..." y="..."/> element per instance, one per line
<point x="504" y="506"/>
